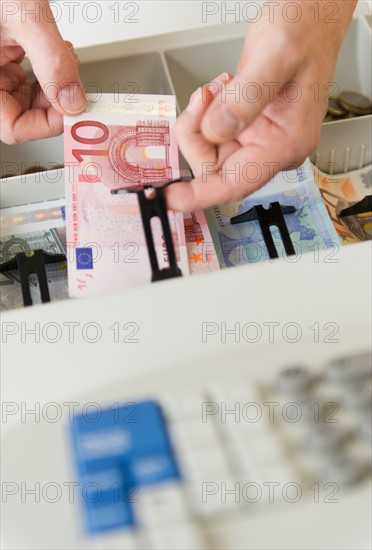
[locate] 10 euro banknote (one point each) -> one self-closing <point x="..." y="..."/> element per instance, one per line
<point x="118" y="143"/>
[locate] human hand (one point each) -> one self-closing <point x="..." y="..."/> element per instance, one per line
<point x="34" y="110"/>
<point x="237" y="133"/>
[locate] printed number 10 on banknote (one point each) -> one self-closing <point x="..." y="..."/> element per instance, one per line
<point x="117" y="144"/>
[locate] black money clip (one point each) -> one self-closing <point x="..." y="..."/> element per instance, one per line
<point x="31" y="263"/>
<point x="273" y="216"/>
<point x="362" y="207"/>
<point x="155" y="207"/>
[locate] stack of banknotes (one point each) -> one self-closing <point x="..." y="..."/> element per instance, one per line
<point x="122" y="144"/>
<point x="340" y="191"/>
<point x="27" y="228"/>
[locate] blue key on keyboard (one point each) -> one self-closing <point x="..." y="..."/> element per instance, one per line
<point x="116" y="452"/>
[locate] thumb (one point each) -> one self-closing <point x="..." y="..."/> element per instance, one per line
<point x="53" y="64"/>
<point x="259" y="78"/>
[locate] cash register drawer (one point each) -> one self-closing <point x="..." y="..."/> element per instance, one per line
<point x="137" y="67"/>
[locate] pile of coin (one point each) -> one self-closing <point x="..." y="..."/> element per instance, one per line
<point x="348" y="105"/>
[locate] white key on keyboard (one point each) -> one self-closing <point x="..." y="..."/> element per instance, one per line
<point x="274" y="484"/>
<point x="214" y="496"/>
<point x="239" y="411"/>
<point x="161" y="505"/>
<point x="194" y="433"/>
<point x="205" y="463"/>
<point x="264" y="450"/>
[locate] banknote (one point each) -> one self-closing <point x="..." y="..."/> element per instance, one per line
<point x="200" y="248"/>
<point x="340" y="191"/>
<point x="11" y="292"/>
<point x="309" y="226"/>
<point x="38" y="226"/>
<point x="123" y="143"/>
<point x="49" y="240"/>
<point x="33" y="217"/>
<point x="118" y="144"/>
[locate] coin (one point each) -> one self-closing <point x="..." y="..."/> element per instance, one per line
<point x="355" y="103"/>
<point x="334" y="108"/>
<point x="328" y="118"/>
<point x="34" y="170"/>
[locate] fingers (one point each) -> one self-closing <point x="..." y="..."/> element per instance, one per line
<point x="263" y="71"/>
<point x="25" y="111"/>
<point x="72" y="50"/>
<point x="54" y="64"/>
<point x="9" y="54"/>
<point x="20" y="125"/>
<point x="194" y="147"/>
<point x="244" y="170"/>
<point x="241" y="175"/>
<point x="11" y="76"/>
<point x="40" y="100"/>
<point x="202" y="192"/>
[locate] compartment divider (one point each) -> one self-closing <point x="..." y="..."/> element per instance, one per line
<point x="169" y="78"/>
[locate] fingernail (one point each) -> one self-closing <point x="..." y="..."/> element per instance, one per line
<point x="72" y="99"/>
<point x="224" y="122"/>
<point x="224" y="77"/>
<point x="194" y="101"/>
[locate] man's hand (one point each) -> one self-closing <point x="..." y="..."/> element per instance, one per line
<point x="237" y="133"/>
<point x="34" y="110"/>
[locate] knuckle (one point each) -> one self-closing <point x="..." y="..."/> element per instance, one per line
<point x="302" y="143"/>
<point x="9" y="139"/>
<point x="62" y="68"/>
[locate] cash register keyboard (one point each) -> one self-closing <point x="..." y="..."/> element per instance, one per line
<point x="191" y="468"/>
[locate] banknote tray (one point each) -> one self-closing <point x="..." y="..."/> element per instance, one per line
<point x="32" y="263"/>
<point x="267" y="218"/>
<point x="167" y="69"/>
<point x="154" y="206"/>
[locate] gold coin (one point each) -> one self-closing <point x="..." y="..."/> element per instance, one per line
<point x="34" y="170"/>
<point x="355" y="103"/>
<point x="334" y="108"/>
<point x="328" y="118"/>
